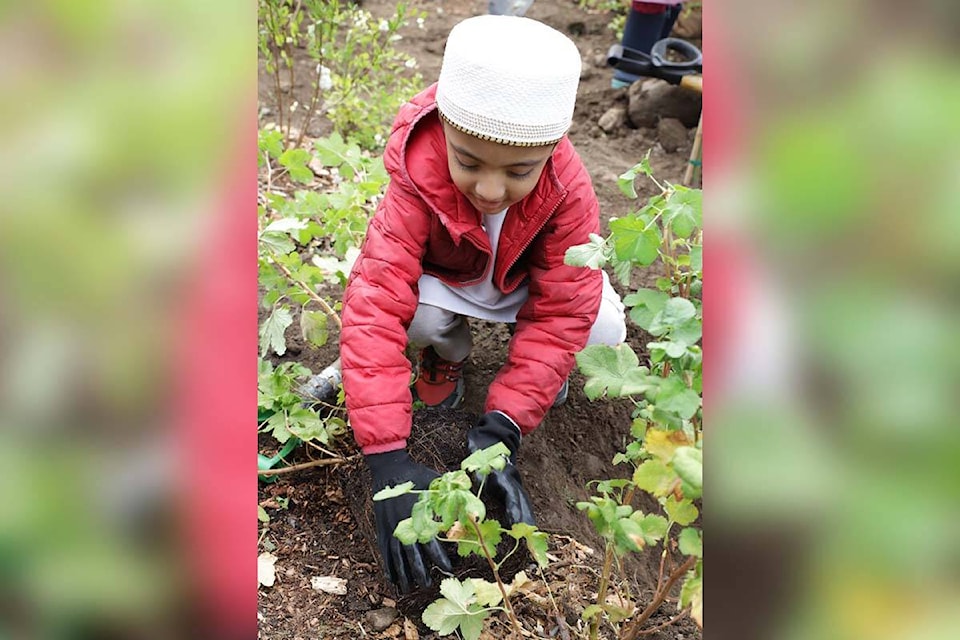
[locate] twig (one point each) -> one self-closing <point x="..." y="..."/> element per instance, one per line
<point x="496" y="574"/>
<point x="602" y="591"/>
<point x="665" y="624"/>
<point x="310" y="292"/>
<point x="303" y="465"/>
<point x="633" y="630"/>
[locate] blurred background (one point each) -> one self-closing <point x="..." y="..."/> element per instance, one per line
<point x="833" y="208"/>
<point x="121" y="127"/>
<point x="128" y="319"/>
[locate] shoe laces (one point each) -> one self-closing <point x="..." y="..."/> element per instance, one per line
<point x="433" y="368"/>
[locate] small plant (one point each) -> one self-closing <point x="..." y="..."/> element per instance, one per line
<point x="307" y="241"/>
<point x="449" y="507"/>
<point x="666" y="452"/>
<point x="358" y="79"/>
<point x="618" y="8"/>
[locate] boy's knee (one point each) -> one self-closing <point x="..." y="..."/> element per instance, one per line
<point x="610" y="328"/>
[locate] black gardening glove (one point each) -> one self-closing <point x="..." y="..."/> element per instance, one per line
<point x="403" y="563"/>
<point x="504" y="485"/>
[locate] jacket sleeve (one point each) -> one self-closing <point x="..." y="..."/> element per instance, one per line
<point x="556" y="319"/>
<point x="378" y="306"/>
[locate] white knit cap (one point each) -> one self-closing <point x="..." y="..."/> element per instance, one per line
<point x="508" y="79"/>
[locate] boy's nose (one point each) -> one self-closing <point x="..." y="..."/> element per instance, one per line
<point x="490" y="189"/>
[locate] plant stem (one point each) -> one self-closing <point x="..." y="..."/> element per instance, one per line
<point x="309" y="291"/>
<point x="602" y="591"/>
<point x="694" y="154"/>
<point x="633" y="630"/>
<point x="496" y="575"/>
<point x="305" y="465"/>
<point x="665" y="624"/>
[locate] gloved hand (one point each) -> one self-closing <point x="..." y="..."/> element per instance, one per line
<point x="403" y="563"/>
<point x="504" y="485"/>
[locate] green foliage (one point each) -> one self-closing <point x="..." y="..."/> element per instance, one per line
<point x="307" y="243"/>
<point x="358" y="78"/>
<point x="280" y="408"/>
<point x="666" y="452"/>
<point x="617" y="8"/>
<point x="449" y="506"/>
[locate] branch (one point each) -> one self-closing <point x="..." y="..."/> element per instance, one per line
<point x="309" y="291"/>
<point x="633" y="630"/>
<point x="665" y="624"/>
<point x="305" y="465"/>
<point x="496" y="574"/>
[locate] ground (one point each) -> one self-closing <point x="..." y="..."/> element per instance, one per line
<point x="320" y="532"/>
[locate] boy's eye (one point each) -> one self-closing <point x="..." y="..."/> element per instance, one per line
<point x="465" y="167"/>
<point x="519" y="176"/>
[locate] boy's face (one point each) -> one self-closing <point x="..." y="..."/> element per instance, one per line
<point x="493" y="176"/>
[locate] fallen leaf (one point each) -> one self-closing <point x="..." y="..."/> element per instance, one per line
<point x="266" y="569"/>
<point x="329" y="584"/>
<point x="410" y="630"/>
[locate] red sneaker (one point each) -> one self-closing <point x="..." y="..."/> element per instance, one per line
<point x="439" y="382"/>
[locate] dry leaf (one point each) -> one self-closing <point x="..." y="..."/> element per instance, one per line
<point x="410" y="630"/>
<point x="329" y="584"/>
<point x="266" y="569"/>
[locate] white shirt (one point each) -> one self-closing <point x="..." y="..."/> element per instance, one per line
<point x="482" y="300"/>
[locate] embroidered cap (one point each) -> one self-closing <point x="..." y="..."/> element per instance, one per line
<point x="508" y="79"/>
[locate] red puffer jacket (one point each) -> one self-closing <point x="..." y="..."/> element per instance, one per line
<point x="425" y="225"/>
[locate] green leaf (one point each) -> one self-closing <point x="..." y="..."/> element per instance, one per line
<point x="468" y="542"/>
<point x="628" y="535"/>
<point x="272" y="330"/>
<point x="460" y="593"/>
<point x="488" y="593"/>
<point x="331" y="150"/>
<point x="482" y="462"/>
<point x="313" y="327"/>
<point x="405" y="532"/>
<point x="306" y="425"/>
<point x="683" y="211"/>
<point x="635" y="240"/>
<point x="696" y="258"/>
<point x="652" y="526"/>
<point x="646" y="303"/>
<point x="626" y="183"/>
<point x="670" y="348"/>
<point x="286" y="225"/>
<point x="688" y="463"/>
<point x="593" y="254"/>
<point x="262" y="514"/>
<point x="277" y="242"/>
<point x="296" y="160"/>
<point x="654" y="477"/>
<point x="675" y="312"/>
<point x="691" y="595"/>
<point x="537" y="543"/>
<point x="277" y="425"/>
<point x="682" y="512"/>
<point x="394" y="491"/>
<point x="615" y="371"/>
<point x="691" y="542"/>
<point x="676" y="397"/>
<point x="271" y="142"/>
<point x="444" y="616"/>
<point x="591" y="611"/>
<point x="472" y="625"/>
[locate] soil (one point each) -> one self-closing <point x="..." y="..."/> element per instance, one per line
<point x="325" y="528"/>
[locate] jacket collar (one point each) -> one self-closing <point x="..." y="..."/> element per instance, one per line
<point x="418" y="152"/>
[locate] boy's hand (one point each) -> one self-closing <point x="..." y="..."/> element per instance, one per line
<point x="504" y="485"/>
<point x="403" y="564"/>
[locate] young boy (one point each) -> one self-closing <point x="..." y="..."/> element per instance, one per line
<point x="486" y="195"/>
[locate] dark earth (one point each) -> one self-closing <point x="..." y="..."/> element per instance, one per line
<point x="320" y="519"/>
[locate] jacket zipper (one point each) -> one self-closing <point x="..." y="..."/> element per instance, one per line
<point x="533" y="236"/>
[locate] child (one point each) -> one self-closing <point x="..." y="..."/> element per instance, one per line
<point x="486" y="195"/>
<point x="647" y="23"/>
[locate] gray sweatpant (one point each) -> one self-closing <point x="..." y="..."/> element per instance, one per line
<point x="449" y="333"/>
